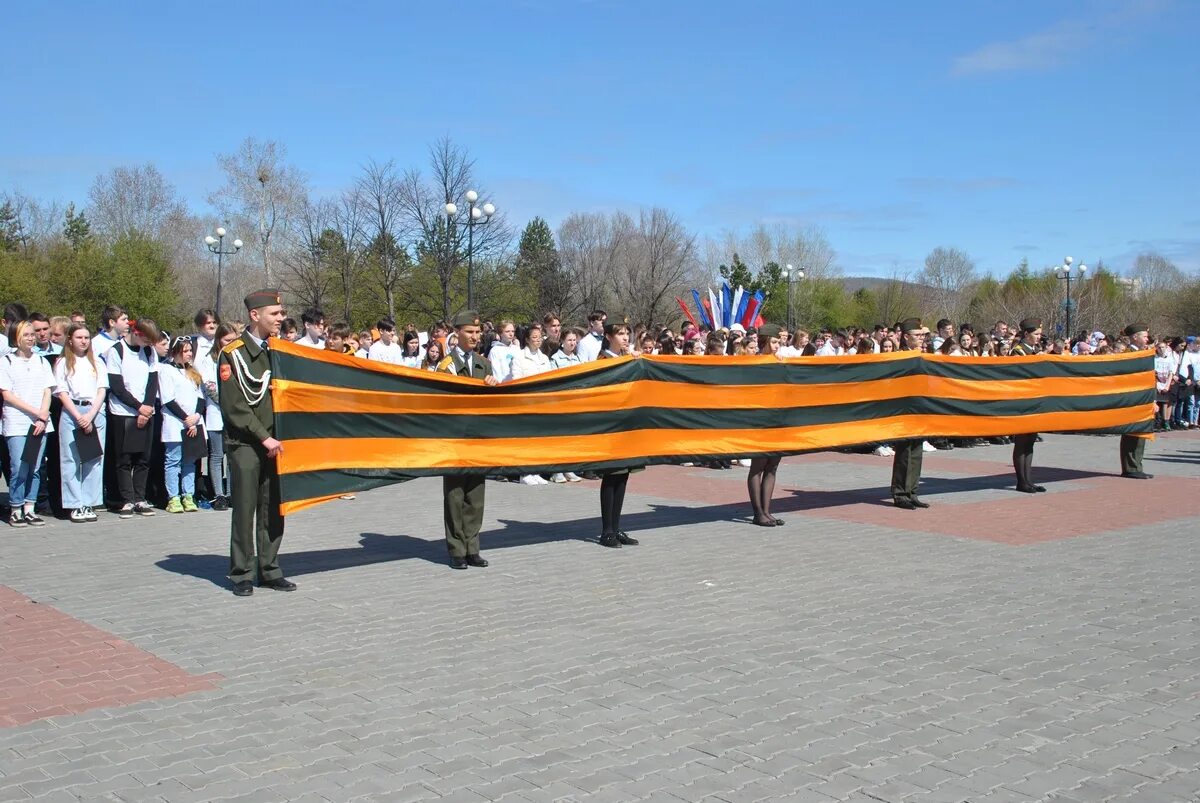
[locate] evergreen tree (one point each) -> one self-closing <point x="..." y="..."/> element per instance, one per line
<point x="76" y="228"/>
<point x="538" y="262"/>
<point x="9" y="227"/>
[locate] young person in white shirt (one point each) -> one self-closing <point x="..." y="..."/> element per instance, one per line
<point x="133" y="390"/>
<point x="42" y="345"/>
<point x="410" y="352"/>
<point x="313" y="321"/>
<point x="26" y="383"/>
<point x="504" y="351"/>
<point x="114" y="323"/>
<point x="1189" y="378"/>
<point x="214" y="424"/>
<point x="531" y="361"/>
<point x="592" y="343"/>
<point x="81" y="383"/>
<point x="183" y="404"/>
<point x="386" y="349"/>
<point x="206" y="329"/>
<point x="566" y="354"/>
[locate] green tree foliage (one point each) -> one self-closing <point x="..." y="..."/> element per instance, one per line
<point x="9" y="227"/>
<point x="539" y="266"/>
<point x="76" y="228"/>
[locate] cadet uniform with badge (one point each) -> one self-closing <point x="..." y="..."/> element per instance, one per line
<point x="1026" y="346"/>
<point x="462" y="496"/>
<point x="906" y="465"/>
<point x="1133" y="448"/>
<point x="244" y="373"/>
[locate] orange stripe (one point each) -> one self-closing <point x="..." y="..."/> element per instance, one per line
<point x="434" y="453"/>
<point x="301" y="397"/>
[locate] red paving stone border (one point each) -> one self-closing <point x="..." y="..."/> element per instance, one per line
<point x="52" y="664"/>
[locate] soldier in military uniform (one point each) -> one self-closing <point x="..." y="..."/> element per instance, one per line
<point x="906" y="465"/>
<point x="1133" y="448"/>
<point x="462" y="496"/>
<point x="1027" y="345"/>
<point x="251" y="449"/>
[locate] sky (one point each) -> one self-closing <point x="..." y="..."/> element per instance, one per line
<point x="1009" y="130"/>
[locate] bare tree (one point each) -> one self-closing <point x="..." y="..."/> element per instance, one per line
<point x="948" y="272"/>
<point x="380" y="196"/>
<point x="442" y="240"/>
<point x="659" y="259"/>
<point x="1153" y="275"/>
<point x="130" y="201"/>
<point x="590" y="246"/>
<point x="305" y="256"/>
<point x="349" y="220"/>
<point x="261" y="191"/>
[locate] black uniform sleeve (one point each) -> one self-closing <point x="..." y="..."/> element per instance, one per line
<point x="116" y="385"/>
<point x="151" y="389"/>
<point x="174" y="409"/>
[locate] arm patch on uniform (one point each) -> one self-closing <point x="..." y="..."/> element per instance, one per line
<point x="226" y="372"/>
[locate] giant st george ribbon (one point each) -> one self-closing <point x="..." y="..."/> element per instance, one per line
<point x="349" y="424"/>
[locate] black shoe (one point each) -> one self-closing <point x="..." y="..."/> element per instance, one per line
<point x="589" y="475"/>
<point x="1039" y="488"/>
<point x="476" y="561"/>
<point x="278" y="584"/>
<point x="34" y="520"/>
<point x="458" y="563"/>
<point x="610" y="540"/>
<point x="1027" y="489"/>
<point x="778" y="522"/>
<point x="625" y="540"/>
<point x="918" y="503"/>
<point x="763" y="522"/>
<point x="220" y="503"/>
<point x="243" y="589"/>
<point x="1137" y="475"/>
<point x="904" y="504"/>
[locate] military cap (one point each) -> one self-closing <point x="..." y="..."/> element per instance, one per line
<point x="262" y="298"/>
<point x="911" y="325"/>
<point x="1031" y="324"/>
<point x="1134" y="328"/>
<point x="466" y="318"/>
<point x="615" y="321"/>
<point x="769" y="330"/>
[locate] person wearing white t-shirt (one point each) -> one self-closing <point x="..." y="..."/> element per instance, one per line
<point x="80" y="382"/>
<point x="410" y="352"/>
<point x="592" y="343"/>
<point x="133" y="391"/>
<point x="313" y="320"/>
<point x="531" y="362"/>
<point x="206" y="329"/>
<point x="114" y="322"/>
<point x="386" y="349"/>
<point x="26" y="383"/>
<point x="180" y="388"/>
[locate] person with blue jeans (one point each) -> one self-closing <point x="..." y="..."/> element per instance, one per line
<point x="26" y="382"/>
<point x="183" y="417"/>
<point x="81" y="383"/>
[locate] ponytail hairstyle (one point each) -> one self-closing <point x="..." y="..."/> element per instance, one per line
<point x="189" y="369"/>
<point x="69" y="353"/>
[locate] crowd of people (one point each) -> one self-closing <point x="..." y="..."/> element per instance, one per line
<point x="130" y="418"/>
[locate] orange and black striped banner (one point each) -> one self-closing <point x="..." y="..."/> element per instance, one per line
<point x="349" y="424"/>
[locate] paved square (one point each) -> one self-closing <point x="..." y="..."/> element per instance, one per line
<point x="997" y="647"/>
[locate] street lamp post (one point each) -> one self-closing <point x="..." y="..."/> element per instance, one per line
<point x="791" y="275"/>
<point x="217" y="246"/>
<point x="478" y="216"/>
<point x="1063" y="272"/>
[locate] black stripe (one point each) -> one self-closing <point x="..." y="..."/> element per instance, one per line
<point x="291" y="426"/>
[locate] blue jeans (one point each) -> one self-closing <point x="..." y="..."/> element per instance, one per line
<point x="23" y="485"/>
<point x="216" y="462"/>
<point x="173" y="453"/>
<point x="82" y="483"/>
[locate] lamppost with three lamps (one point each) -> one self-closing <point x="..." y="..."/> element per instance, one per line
<point x="478" y="216"/>
<point x="791" y="275"/>
<point x="1063" y="272"/>
<point x="217" y="246"/>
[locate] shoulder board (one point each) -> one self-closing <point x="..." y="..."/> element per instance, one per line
<point x="234" y="345"/>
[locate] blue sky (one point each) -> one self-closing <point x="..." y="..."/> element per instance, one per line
<point x="1005" y="129"/>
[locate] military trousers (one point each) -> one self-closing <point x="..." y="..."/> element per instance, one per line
<point x="462" y="510"/>
<point x="1132" y="450"/>
<point x="257" y="528"/>
<point x="906" y="469"/>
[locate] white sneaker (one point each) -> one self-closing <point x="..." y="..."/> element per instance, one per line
<point x="348" y="497"/>
<point x="882" y="451"/>
<point x="541" y="480"/>
<point x="126" y="511"/>
<point x="744" y="463"/>
<point x="890" y="451"/>
<point x="573" y="477"/>
<point x="530" y="479"/>
<point x="79" y="515"/>
<point x="559" y="477"/>
<point x="90" y="514"/>
<point x="926" y="446"/>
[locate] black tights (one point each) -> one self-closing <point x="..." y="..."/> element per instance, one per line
<point x="760" y="483"/>
<point x="612" y="497"/>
